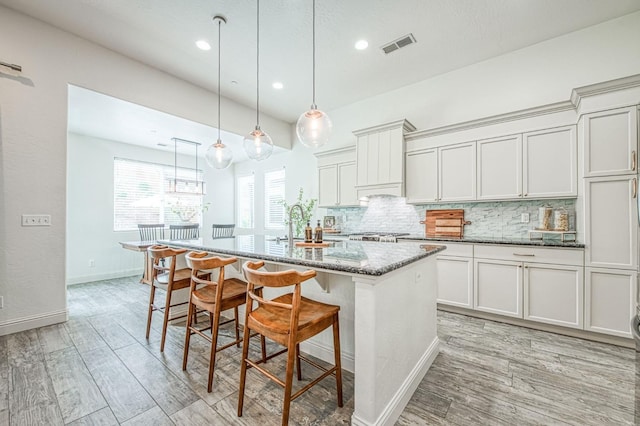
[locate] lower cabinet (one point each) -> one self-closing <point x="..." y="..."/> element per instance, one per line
<point x="610" y="300"/>
<point x="554" y="294"/>
<point x="498" y="287"/>
<point x="455" y="281"/>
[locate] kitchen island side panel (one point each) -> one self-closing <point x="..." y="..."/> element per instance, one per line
<point x="395" y="339"/>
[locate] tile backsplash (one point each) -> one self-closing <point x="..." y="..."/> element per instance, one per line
<point x="488" y="219"/>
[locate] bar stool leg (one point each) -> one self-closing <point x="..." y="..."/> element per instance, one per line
<point x="298" y="367"/>
<point x="152" y="294"/>
<point x="167" y="305"/>
<point x="288" y="383"/>
<point x="337" y="356"/>
<point x="187" y="337"/>
<point x="243" y="365"/>
<point x="235" y="313"/>
<point x="214" y="345"/>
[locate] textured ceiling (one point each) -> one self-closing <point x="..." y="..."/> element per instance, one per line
<point x="450" y="34"/>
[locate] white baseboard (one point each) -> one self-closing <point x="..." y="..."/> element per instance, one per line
<point x="399" y="401"/>
<point x="105" y="276"/>
<point x="34" y="321"/>
<point x="325" y="353"/>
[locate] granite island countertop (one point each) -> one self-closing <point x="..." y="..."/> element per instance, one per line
<point x="495" y="240"/>
<point x="355" y="257"/>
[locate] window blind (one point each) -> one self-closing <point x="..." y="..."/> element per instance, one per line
<point x="274" y="190"/>
<point x="245" y="201"/>
<point x="139" y="195"/>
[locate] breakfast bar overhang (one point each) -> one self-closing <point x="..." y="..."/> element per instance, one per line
<point x="387" y="294"/>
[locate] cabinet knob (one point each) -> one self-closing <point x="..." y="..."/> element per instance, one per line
<point x="525" y="194"/>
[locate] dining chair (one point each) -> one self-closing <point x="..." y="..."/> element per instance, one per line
<point x="167" y="278"/>
<point x="288" y="320"/>
<point x="222" y="231"/>
<point x="214" y="297"/>
<point x="184" y="232"/>
<point x="151" y="232"/>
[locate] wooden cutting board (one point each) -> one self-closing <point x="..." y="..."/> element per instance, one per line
<point x="444" y="223"/>
<point x="303" y="244"/>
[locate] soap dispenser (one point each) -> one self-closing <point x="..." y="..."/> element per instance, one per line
<point x="308" y="233"/>
<point x="318" y="238"/>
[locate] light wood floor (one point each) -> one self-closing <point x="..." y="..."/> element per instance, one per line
<point x="98" y="369"/>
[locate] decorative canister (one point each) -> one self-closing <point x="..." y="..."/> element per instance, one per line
<point x="545" y="215"/>
<point x="561" y="220"/>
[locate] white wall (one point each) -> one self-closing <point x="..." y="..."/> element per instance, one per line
<point x="90" y="234"/>
<point x="301" y="172"/>
<point x="541" y="74"/>
<point x="33" y="141"/>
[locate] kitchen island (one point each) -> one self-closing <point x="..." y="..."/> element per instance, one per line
<point x="387" y="294"/>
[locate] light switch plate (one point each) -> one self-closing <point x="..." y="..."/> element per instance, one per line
<point x="524" y="218"/>
<point x="36" y="220"/>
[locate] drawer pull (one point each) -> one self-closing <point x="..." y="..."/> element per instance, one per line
<point x="634" y="161"/>
<point x="524" y="254"/>
<point x="635" y="187"/>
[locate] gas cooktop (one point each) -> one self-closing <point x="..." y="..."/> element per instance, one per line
<point x="383" y="237"/>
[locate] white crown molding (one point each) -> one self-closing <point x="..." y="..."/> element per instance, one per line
<point x="337" y="151"/>
<point x="406" y="127"/>
<point x="573" y="104"/>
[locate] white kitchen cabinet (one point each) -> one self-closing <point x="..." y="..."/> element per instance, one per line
<point x="498" y="287"/>
<point x="610" y="142"/>
<point x="610" y="297"/>
<point x="611" y="222"/>
<point x="457" y="172"/>
<point x="380" y="159"/>
<point x="499" y="174"/>
<point x="554" y="294"/>
<point x="549" y="159"/>
<point x="336" y="178"/>
<point x="422" y="176"/>
<point x="455" y="275"/>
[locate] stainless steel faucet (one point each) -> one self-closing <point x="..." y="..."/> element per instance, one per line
<point x="291" y="222"/>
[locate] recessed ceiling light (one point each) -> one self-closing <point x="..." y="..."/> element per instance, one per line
<point x="362" y="44"/>
<point x="277" y="85"/>
<point x="203" y="44"/>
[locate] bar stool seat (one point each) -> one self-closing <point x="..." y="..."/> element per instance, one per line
<point x="234" y="291"/>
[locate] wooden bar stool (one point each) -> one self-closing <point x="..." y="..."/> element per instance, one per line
<point x="168" y="279"/>
<point x="213" y="297"/>
<point x="288" y="320"/>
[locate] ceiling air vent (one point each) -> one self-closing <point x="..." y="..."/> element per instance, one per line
<point x="399" y="43"/>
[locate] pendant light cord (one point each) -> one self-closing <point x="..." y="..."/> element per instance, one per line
<point x="258" y="67"/>
<point x="219" y="88"/>
<point x="314" y="55"/>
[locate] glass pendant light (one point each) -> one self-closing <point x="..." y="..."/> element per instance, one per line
<point x="219" y="156"/>
<point x="314" y="126"/>
<point x="257" y="144"/>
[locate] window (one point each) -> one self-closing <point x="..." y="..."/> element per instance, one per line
<point x="139" y="195"/>
<point x="273" y="197"/>
<point x="245" y="201"/>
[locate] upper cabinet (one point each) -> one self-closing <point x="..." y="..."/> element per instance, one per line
<point x="550" y="161"/>
<point x="337" y="178"/>
<point x="380" y="159"/>
<point x="422" y="176"/>
<point x="611" y="142"/>
<point x="457" y="172"/>
<point x="540" y="164"/>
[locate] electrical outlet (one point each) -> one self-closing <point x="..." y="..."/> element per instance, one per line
<point x="36" y="220"/>
<point x="524" y="218"/>
<point x="92" y="263"/>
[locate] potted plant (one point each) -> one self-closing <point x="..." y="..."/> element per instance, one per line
<point x="299" y="222"/>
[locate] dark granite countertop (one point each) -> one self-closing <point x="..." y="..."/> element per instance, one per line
<point x="355" y="257"/>
<point x="497" y="240"/>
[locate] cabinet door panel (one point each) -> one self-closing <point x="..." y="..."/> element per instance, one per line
<point x="373" y="159"/>
<point x="498" y="287"/>
<point x="500" y="168"/>
<point x="610" y="300"/>
<point x="327" y="186"/>
<point x="346" y="184"/>
<point x="553" y="294"/>
<point x="611" y="222"/>
<point x="457" y="172"/>
<point x="421" y="180"/>
<point x="610" y="139"/>
<point x="455" y="281"/>
<point x="550" y="163"/>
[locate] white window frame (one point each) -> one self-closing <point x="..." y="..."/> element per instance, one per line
<point x="271" y="219"/>
<point x="240" y="223"/>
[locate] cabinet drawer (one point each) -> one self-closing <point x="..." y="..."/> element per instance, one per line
<point x="558" y="256"/>
<point x="457" y="249"/>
